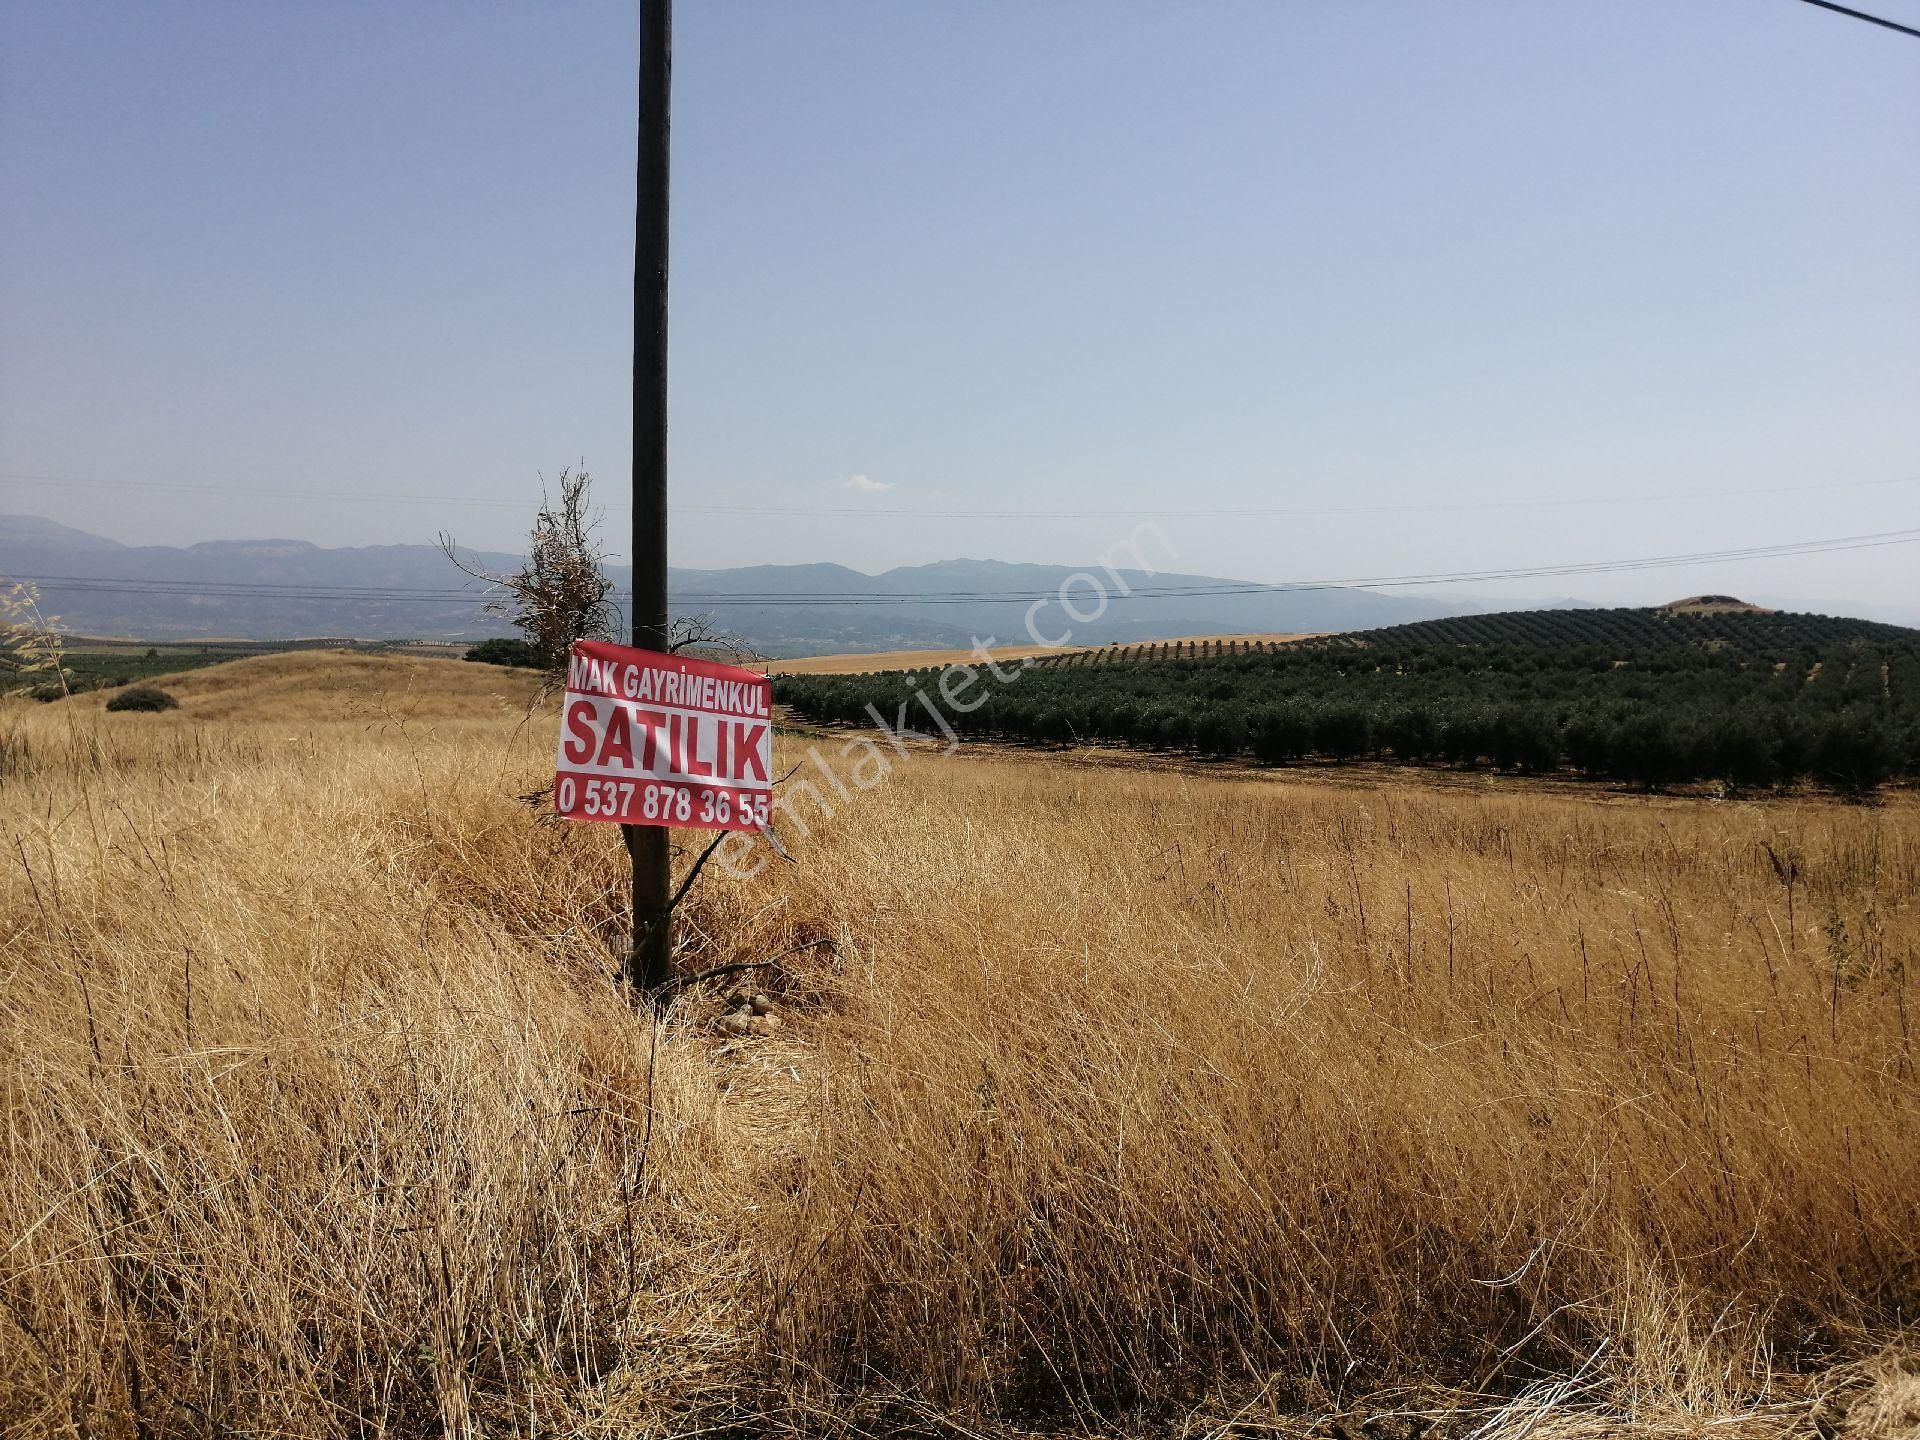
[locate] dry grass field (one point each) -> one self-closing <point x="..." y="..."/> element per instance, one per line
<point x="860" y="663"/>
<point x="1122" y="1102"/>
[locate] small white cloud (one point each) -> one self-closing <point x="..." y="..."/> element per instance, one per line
<point x="861" y="485"/>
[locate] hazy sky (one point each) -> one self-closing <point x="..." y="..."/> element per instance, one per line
<point x="1309" y="257"/>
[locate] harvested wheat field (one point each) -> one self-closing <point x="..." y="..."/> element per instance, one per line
<point x="1118" y="1103"/>
<point x="861" y="664"/>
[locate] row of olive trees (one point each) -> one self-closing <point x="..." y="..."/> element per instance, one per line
<point x="1747" y="733"/>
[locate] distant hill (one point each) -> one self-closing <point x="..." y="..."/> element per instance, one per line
<point x="28" y="533"/>
<point x="281" y="589"/>
<point x="950" y="604"/>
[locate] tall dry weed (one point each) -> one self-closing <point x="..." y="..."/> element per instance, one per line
<point x="299" y="1141"/>
<point x="1143" y="1085"/>
<point x="1114" y="1094"/>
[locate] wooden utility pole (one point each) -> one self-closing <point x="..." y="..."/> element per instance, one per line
<point x="651" y="964"/>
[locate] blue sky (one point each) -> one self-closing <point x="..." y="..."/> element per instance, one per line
<point x="1435" y="263"/>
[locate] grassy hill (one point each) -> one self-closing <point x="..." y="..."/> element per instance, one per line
<point x="92" y="663"/>
<point x="1652" y="696"/>
<point x="314" y="686"/>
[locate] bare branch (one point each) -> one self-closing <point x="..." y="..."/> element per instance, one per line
<point x="685" y="885"/>
<point x="561" y="592"/>
<point x="680" y="982"/>
<point x="699" y="632"/>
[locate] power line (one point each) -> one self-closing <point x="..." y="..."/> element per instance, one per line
<point x="1378" y="583"/>
<point x="1236" y="512"/>
<point x="272" y="590"/>
<point x="1862" y="15"/>
<point x="865" y="512"/>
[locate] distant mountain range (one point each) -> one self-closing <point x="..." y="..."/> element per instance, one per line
<point x="286" y="589"/>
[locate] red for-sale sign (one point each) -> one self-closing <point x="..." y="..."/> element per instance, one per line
<point x="648" y="739"/>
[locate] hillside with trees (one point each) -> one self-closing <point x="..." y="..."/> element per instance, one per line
<point x="1654" y="697"/>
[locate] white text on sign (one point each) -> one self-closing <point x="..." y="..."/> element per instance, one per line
<point x="650" y="739"/>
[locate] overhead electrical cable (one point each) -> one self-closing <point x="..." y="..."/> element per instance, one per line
<point x="877" y="512"/>
<point x="1863" y="15"/>
<point x="272" y="590"/>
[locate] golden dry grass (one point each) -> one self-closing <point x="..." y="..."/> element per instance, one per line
<point x="1247" y="637"/>
<point x="860" y="664"/>
<point x="1133" y="1100"/>
<point x="311" y="686"/>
